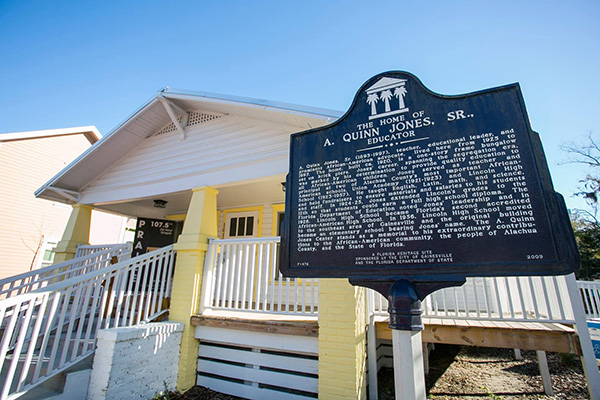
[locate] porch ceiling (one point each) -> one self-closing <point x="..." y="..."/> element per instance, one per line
<point x="235" y="195"/>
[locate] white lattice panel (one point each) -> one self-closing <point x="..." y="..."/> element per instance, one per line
<point x="201" y="118"/>
<point x="169" y="128"/>
<point x="194" y="118"/>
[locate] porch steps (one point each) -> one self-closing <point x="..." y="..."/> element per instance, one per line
<point x="71" y="384"/>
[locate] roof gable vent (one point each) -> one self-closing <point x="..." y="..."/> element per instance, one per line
<point x="194" y="118"/>
<point x="201" y="118"/>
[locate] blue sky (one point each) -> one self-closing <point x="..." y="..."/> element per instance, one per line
<point x="68" y="64"/>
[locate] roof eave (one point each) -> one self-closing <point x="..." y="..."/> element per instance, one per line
<point x="306" y="111"/>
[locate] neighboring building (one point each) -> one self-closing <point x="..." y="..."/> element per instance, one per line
<point x="32" y="227"/>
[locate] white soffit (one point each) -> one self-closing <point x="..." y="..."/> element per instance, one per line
<point x="152" y="117"/>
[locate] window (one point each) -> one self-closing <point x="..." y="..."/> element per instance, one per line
<point x="46" y="254"/>
<point x="241" y="224"/>
<point x="280" y="217"/>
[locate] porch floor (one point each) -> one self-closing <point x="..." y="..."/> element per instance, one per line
<point x="551" y="337"/>
<point x="266" y="323"/>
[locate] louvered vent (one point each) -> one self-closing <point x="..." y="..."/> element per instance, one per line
<point x="195" y="118"/>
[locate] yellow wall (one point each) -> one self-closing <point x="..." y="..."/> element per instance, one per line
<point x="342" y="340"/>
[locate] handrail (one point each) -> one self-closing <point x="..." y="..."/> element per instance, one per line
<point x="534" y="299"/>
<point x="86" y="249"/>
<point x="32" y="280"/>
<point x="47" y="330"/>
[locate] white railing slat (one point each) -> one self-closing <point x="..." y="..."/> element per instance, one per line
<point x="246" y="278"/>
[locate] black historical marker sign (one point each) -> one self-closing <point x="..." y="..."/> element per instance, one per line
<point x="410" y="184"/>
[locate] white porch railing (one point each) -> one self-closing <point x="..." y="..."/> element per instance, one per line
<point x="590" y="296"/>
<point x="47" y="330"/>
<point x="242" y="275"/>
<point x="90" y="258"/>
<point x="498" y="298"/>
<point x="87" y="249"/>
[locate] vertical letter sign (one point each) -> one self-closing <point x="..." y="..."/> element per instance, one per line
<point x="414" y="185"/>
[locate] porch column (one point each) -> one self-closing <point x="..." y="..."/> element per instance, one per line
<point x="200" y="225"/>
<point x="76" y="232"/>
<point x="342" y="340"/>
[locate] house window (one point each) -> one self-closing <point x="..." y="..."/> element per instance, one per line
<point x="280" y="217"/>
<point x="47" y="253"/>
<point x="241" y="224"/>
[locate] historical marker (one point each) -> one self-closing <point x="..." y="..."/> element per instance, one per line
<point x="415" y="185"/>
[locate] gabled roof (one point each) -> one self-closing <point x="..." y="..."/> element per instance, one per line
<point x="169" y="106"/>
<point x="90" y="133"/>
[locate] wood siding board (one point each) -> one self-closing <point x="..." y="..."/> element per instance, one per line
<point x="245" y="391"/>
<point x="165" y="150"/>
<point x="305" y="365"/>
<point x="173" y="145"/>
<point x="236" y="144"/>
<point x="215" y="177"/>
<point x="261" y="376"/>
<point x="296" y="344"/>
<point x="197" y="164"/>
<point x="185" y="167"/>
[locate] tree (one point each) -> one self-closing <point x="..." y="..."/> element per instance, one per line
<point x="585" y="222"/>
<point x="587" y="154"/>
<point x="587" y="236"/>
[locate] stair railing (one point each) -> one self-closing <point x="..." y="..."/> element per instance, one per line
<point x="87" y="249"/>
<point x="92" y="258"/>
<point x="45" y="331"/>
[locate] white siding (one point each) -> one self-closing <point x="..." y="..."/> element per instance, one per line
<point x="228" y="149"/>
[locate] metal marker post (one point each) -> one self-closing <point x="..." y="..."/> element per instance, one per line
<point x="406" y="324"/>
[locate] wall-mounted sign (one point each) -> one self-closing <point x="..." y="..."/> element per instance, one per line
<point x="152" y="234"/>
<point x="412" y="184"/>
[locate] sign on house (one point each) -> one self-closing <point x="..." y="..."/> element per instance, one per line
<point x="152" y="234"/>
<point x="413" y="184"/>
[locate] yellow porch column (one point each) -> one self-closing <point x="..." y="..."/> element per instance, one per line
<point x="200" y="225"/>
<point x="76" y="232"/>
<point x="342" y="340"/>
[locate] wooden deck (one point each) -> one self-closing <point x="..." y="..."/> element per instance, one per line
<point x="281" y="324"/>
<point x="550" y="337"/>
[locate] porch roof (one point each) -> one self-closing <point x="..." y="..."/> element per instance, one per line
<point x="90" y="133"/>
<point x="166" y="106"/>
